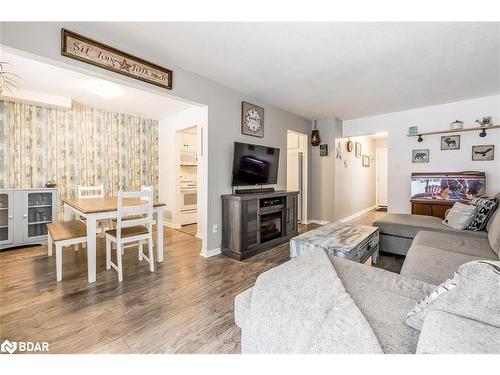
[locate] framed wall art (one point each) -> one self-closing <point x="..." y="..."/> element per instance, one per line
<point x="323" y="150"/>
<point x="450" y="142"/>
<point x="92" y="52"/>
<point x="483" y="152"/>
<point x="366" y="161"/>
<point x="252" y="120"/>
<point x="357" y="150"/>
<point x="420" y="156"/>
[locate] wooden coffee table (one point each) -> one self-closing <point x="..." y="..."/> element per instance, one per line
<point x="351" y="241"/>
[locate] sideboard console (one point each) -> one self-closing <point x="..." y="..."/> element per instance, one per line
<point x="253" y="223"/>
<point x="24" y="215"/>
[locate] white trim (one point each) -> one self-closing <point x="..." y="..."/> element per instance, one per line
<point x="358" y="214"/>
<point x="170" y="224"/>
<point x="377" y="171"/>
<point x="210" y="253"/>
<point x="320" y="222"/>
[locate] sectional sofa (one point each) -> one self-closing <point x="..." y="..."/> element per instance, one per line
<point x="434" y="254"/>
<point x="433" y="250"/>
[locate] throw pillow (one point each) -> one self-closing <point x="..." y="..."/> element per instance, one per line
<point x="485" y="208"/>
<point x="460" y="216"/>
<point x="472" y="293"/>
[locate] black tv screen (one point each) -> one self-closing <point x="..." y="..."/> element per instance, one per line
<point x="254" y="164"/>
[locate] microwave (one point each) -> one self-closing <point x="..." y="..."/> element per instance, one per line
<point x="189" y="158"/>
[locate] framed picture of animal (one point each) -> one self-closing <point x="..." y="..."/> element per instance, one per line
<point x="420" y="156"/>
<point x="483" y="152"/>
<point x="450" y="142"/>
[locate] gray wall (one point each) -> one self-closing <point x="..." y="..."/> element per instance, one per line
<point x="224" y="104"/>
<point x="355" y="187"/>
<point x="322" y="173"/>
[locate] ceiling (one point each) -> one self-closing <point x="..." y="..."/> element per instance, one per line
<point x="48" y="79"/>
<point x="315" y="70"/>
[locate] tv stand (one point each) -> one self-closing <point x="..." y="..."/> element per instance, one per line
<point x="256" y="222"/>
<point x="254" y="191"/>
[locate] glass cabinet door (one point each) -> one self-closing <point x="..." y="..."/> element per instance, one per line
<point x="39" y="213"/>
<point x="5" y="218"/>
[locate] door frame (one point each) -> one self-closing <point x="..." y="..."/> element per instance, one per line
<point x="377" y="169"/>
<point x="305" y="179"/>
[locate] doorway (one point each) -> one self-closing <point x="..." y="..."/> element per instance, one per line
<point x="296" y="176"/>
<point x="381" y="176"/>
<point x="128" y="99"/>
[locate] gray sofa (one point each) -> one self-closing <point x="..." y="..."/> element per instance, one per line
<point x="397" y="231"/>
<point x="434" y="251"/>
<point x="385" y="298"/>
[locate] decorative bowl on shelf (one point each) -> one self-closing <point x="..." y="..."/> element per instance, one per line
<point x="457" y="125"/>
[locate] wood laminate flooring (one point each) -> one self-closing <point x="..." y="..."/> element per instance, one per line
<point x="190" y="229"/>
<point x="185" y="306"/>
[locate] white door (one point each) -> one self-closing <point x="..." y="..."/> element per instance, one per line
<point x="381" y="175"/>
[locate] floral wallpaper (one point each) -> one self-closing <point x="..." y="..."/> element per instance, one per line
<point x="82" y="146"/>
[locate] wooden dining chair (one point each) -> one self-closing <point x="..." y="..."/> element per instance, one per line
<point x="148" y="188"/>
<point x="88" y="192"/>
<point x="143" y="188"/>
<point x="133" y="224"/>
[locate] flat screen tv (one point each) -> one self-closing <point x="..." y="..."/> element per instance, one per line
<point x="255" y="165"/>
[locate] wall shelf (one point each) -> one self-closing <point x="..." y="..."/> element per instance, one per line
<point x="481" y="130"/>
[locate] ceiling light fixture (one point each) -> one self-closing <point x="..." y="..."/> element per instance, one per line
<point x="315" y="138"/>
<point x="104" y="89"/>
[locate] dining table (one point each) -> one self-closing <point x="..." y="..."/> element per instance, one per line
<point x="106" y="208"/>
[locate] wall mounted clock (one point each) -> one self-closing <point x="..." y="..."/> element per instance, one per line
<point x="252" y="120"/>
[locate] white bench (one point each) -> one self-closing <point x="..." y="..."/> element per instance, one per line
<point x="65" y="233"/>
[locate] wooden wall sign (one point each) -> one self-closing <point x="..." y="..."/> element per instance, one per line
<point x="92" y="52"/>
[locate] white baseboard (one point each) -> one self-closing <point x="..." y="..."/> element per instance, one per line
<point x="320" y="222"/>
<point x="358" y="214"/>
<point x="170" y="224"/>
<point x="210" y="253"/>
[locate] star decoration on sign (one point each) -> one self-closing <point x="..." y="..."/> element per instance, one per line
<point x="125" y="66"/>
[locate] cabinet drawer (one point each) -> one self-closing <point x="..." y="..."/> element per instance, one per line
<point x="439" y="210"/>
<point x="421" y="209"/>
<point x="364" y="250"/>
